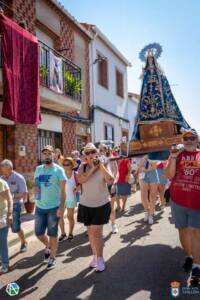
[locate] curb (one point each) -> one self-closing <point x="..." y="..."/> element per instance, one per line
<point x="16" y="240"/>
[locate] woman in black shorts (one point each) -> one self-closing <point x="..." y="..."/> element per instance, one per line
<point x="94" y="208"/>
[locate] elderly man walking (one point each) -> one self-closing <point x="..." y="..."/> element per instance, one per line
<point x="184" y="170"/>
<point x="18" y="188"/>
<point x="5" y="222"/>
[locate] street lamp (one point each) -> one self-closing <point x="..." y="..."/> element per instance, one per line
<point x="99" y="59"/>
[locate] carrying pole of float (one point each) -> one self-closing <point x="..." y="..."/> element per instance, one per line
<point x="127" y="148"/>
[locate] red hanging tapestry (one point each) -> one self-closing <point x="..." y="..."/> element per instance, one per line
<point x="20" y="51"/>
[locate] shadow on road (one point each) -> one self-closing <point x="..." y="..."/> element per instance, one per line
<point x="29" y="279"/>
<point x="81" y="251"/>
<point x="150" y="268"/>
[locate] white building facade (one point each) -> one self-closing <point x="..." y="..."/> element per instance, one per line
<point x="133" y="101"/>
<point x="109" y="93"/>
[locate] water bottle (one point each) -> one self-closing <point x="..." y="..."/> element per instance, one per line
<point x="38" y="194"/>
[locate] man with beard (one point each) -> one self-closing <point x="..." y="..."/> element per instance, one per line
<point x="50" y="194"/>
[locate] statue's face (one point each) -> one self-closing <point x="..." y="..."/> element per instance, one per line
<point x="150" y="60"/>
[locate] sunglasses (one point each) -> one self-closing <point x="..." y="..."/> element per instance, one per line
<point x="90" y="152"/>
<point x="189" y="138"/>
<point x="67" y="165"/>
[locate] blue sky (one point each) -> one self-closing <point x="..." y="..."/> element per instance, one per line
<point x="132" y="24"/>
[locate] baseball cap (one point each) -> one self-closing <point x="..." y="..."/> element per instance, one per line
<point x="189" y="132"/>
<point x="48" y="147"/>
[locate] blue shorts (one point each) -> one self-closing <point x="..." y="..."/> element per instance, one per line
<point x="16" y="224"/>
<point x="46" y="219"/>
<point x="185" y="217"/>
<point x="123" y="189"/>
<point x="151" y="177"/>
<point x="162" y="179"/>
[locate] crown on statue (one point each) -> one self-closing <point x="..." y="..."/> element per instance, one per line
<point x="175" y="284"/>
<point x="150" y="52"/>
<point x="153" y="49"/>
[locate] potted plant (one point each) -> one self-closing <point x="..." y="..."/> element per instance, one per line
<point x="72" y="84"/>
<point x="30" y="203"/>
<point x="44" y="71"/>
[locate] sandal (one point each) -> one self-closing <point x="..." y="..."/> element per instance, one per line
<point x="70" y="237"/>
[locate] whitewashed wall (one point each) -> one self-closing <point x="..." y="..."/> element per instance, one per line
<point x="98" y="127"/>
<point x="50" y="122"/>
<point x="107" y="98"/>
<point x="132" y="112"/>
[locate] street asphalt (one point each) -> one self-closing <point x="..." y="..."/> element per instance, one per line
<point x="142" y="260"/>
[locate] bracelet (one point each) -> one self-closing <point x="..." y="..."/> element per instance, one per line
<point x="172" y="157"/>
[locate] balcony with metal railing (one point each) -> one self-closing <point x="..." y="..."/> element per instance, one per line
<point x="71" y="73"/>
<point x="69" y="97"/>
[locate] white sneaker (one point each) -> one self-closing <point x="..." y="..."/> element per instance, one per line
<point x="146" y="217"/>
<point x="114" y="228"/>
<point x="93" y="263"/>
<point x="100" y="267"/>
<point x="150" y="221"/>
<point x="51" y="263"/>
<point x="3" y="269"/>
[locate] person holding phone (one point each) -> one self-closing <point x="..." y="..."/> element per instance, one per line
<point x="94" y="208"/>
<point x="183" y="169"/>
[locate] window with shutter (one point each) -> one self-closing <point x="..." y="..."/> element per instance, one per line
<point x="119" y="84"/>
<point x="102" y="71"/>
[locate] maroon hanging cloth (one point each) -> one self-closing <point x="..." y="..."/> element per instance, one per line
<point x="20" y="49"/>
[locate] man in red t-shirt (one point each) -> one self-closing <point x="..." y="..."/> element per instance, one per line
<point x="184" y="170"/>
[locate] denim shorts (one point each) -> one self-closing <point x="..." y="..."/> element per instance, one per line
<point x="162" y="179"/>
<point x="123" y="189"/>
<point x="185" y="217"/>
<point x="16" y="224"/>
<point x="151" y="177"/>
<point x="46" y="219"/>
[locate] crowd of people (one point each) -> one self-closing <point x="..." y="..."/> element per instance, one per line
<point x="98" y="183"/>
